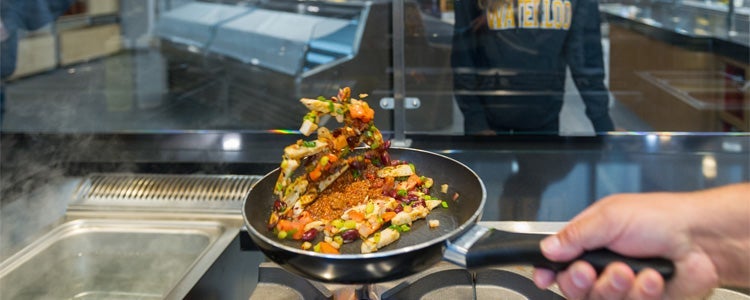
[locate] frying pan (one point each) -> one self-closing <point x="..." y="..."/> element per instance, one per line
<point x="458" y="238"/>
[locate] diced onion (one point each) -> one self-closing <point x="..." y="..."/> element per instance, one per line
<point x="434" y="223"/>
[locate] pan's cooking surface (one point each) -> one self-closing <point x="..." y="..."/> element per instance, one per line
<point x="415" y="250"/>
<point x="460" y="180"/>
<point x="420" y="233"/>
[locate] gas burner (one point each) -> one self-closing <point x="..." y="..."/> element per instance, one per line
<point x="443" y="281"/>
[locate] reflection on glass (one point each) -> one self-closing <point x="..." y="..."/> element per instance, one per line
<point x="231" y="142"/>
<point x="708" y="167"/>
<point x="476" y="66"/>
<point x="510" y="60"/>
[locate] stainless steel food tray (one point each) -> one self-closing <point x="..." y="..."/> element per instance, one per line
<point x="116" y="259"/>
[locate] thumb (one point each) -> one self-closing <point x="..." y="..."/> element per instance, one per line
<point x="590" y="230"/>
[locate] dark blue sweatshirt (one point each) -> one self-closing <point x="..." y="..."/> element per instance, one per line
<point x="509" y="63"/>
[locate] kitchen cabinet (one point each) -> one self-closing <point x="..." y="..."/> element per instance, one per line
<point x="90" y="29"/>
<point x="36" y="53"/>
<point x="681" y="76"/>
<point x="87" y="43"/>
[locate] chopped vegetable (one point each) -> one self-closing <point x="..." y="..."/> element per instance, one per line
<point x="327" y="248"/>
<point x="387" y="216"/>
<point x="444" y="188"/>
<point x="311" y="116"/>
<point x="349" y="224"/>
<point x="395" y="197"/>
<point x="360" y="110"/>
<point x="295" y="229"/>
<point x="434" y="223"/>
<point x="315" y="174"/>
<point x="427" y="182"/>
<point x="395" y="171"/>
<point x="356" y="216"/>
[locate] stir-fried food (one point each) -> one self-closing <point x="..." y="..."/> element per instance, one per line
<point x="330" y="194"/>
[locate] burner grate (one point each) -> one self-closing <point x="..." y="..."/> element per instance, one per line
<point x="443" y="281"/>
<point x="157" y="191"/>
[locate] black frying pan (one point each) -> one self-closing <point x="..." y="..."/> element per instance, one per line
<point x="468" y="244"/>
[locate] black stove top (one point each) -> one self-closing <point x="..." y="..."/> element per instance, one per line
<point x="443" y="281"/>
<point x="440" y="282"/>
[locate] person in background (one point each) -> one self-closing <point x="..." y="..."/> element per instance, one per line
<point x="509" y="60"/>
<point x="705" y="233"/>
<point x="18" y="15"/>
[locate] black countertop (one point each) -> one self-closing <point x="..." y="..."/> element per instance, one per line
<point x="531" y="178"/>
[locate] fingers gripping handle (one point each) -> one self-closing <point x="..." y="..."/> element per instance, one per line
<point x="502" y="248"/>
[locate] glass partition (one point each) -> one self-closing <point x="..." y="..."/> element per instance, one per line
<point x="555" y="67"/>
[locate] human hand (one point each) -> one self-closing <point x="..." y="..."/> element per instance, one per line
<point x="638" y="225"/>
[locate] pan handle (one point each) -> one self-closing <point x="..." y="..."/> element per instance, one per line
<point x="488" y="247"/>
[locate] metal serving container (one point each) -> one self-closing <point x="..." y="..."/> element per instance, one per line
<point x="130" y="236"/>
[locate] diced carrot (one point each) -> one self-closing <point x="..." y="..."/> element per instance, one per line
<point x="332" y="157"/>
<point x="388" y="184"/>
<point x="356" y="216"/>
<point x="355" y="111"/>
<point x="414" y="178"/>
<point x="299" y="232"/>
<point x="410" y="182"/>
<point x="369" y="227"/>
<point x="365" y="230"/>
<point x="295" y="228"/>
<point x="387" y="216"/>
<point x="339" y="142"/>
<point x="360" y="110"/>
<point x="369" y="113"/>
<point x="284" y="225"/>
<point x="315" y="174"/>
<point x="328" y="248"/>
<point x="305" y="217"/>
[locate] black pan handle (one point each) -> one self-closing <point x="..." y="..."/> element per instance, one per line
<point x="499" y="247"/>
